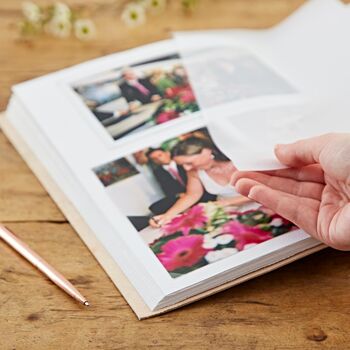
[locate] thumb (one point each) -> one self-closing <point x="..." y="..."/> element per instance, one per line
<point x="303" y="152"/>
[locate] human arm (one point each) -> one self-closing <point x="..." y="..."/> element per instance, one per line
<point x="194" y="191"/>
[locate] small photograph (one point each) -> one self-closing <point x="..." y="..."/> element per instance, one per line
<point x="115" y="171"/>
<point x="179" y="196"/>
<point x="133" y="98"/>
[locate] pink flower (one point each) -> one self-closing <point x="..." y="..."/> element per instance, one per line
<point x="191" y="219"/>
<point x="187" y="96"/>
<point x="165" y="116"/>
<point x="182" y="252"/>
<point x="184" y="93"/>
<point x="173" y="92"/>
<point x="244" y="234"/>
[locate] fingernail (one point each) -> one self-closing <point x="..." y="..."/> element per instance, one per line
<point x="251" y="194"/>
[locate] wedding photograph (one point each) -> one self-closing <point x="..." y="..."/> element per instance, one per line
<point x="179" y="197"/>
<point x="130" y="99"/>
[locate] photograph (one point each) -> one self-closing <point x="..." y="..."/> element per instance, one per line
<point x="179" y="197"/>
<point x="227" y="75"/>
<point x="130" y="99"/>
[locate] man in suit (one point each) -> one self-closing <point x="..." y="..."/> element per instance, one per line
<point x="172" y="179"/>
<point x="138" y="89"/>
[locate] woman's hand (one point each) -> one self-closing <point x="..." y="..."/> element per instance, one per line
<point x="314" y="192"/>
<point x="158" y="221"/>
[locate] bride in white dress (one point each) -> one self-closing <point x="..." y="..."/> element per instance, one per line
<point x="207" y="169"/>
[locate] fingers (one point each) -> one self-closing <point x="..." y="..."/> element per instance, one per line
<point x="302" y="212"/>
<point x="302" y="152"/>
<point x="312" y="173"/>
<point x="155" y="221"/>
<point x="302" y="189"/>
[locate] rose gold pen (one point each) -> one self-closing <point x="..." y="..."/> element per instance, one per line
<point x="40" y="264"/>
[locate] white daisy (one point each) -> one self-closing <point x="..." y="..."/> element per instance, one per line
<point x="155" y="6"/>
<point x="61" y="11"/>
<point x="58" y="27"/>
<point x="31" y="11"/>
<point x="208" y="242"/>
<point x="84" y="29"/>
<point x="216" y="255"/>
<point x="210" y="209"/>
<point x="224" y="239"/>
<point x="276" y="222"/>
<point x="133" y="15"/>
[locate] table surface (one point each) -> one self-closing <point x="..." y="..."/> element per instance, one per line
<point x="304" y="305"/>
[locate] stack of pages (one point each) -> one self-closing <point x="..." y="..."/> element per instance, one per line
<point x="138" y="149"/>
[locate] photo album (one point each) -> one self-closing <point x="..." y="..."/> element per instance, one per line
<point x="139" y="148"/>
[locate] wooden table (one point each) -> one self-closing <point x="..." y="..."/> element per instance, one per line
<point x="305" y="305"/>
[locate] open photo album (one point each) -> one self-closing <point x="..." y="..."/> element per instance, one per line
<point x="139" y="148"/>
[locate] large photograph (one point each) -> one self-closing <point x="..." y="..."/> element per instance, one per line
<point x="179" y="197"/>
<point x="130" y="99"/>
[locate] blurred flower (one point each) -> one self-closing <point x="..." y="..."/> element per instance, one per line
<point x="224" y="239"/>
<point x="165" y="116"/>
<point x="84" y="29"/>
<point x="244" y="234"/>
<point x="211" y="242"/>
<point x="57" y="20"/>
<point x="216" y="255"/>
<point x="188" y="5"/>
<point x="210" y="209"/>
<point x="182" y="252"/>
<point x="133" y="15"/>
<point x="155" y="6"/>
<point x="191" y="219"/>
<point x="276" y="222"/>
<point x="31" y="11"/>
<point x="61" y="11"/>
<point x="61" y="28"/>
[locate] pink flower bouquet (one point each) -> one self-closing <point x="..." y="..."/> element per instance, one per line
<point x="177" y="101"/>
<point x="207" y="233"/>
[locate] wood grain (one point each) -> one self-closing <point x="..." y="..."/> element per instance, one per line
<point x="305" y="305"/>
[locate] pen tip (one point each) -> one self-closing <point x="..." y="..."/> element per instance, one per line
<point x="86" y="303"/>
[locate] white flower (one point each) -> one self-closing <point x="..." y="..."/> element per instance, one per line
<point x="61" y="11"/>
<point x="210" y="209"/>
<point x="58" y="27"/>
<point x="155" y="6"/>
<point x="258" y="216"/>
<point x="133" y="15"/>
<point x="209" y="242"/>
<point x="31" y="11"/>
<point x="276" y="222"/>
<point x="224" y="239"/>
<point x="84" y="29"/>
<point x="220" y="254"/>
<point x="250" y="245"/>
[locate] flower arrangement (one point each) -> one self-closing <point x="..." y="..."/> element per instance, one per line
<point x="178" y="100"/>
<point x="135" y="12"/>
<point x="58" y="20"/>
<point x="208" y="232"/>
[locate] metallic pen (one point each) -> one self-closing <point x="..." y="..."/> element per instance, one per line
<point x="41" y="264"/>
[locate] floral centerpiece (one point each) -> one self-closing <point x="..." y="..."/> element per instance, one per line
<point x="207" y="233"/>
<point x="177" y="101"/>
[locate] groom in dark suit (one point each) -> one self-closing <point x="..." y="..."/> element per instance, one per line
<point x="138" y="89"/>
<point x="172" y="179"/>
